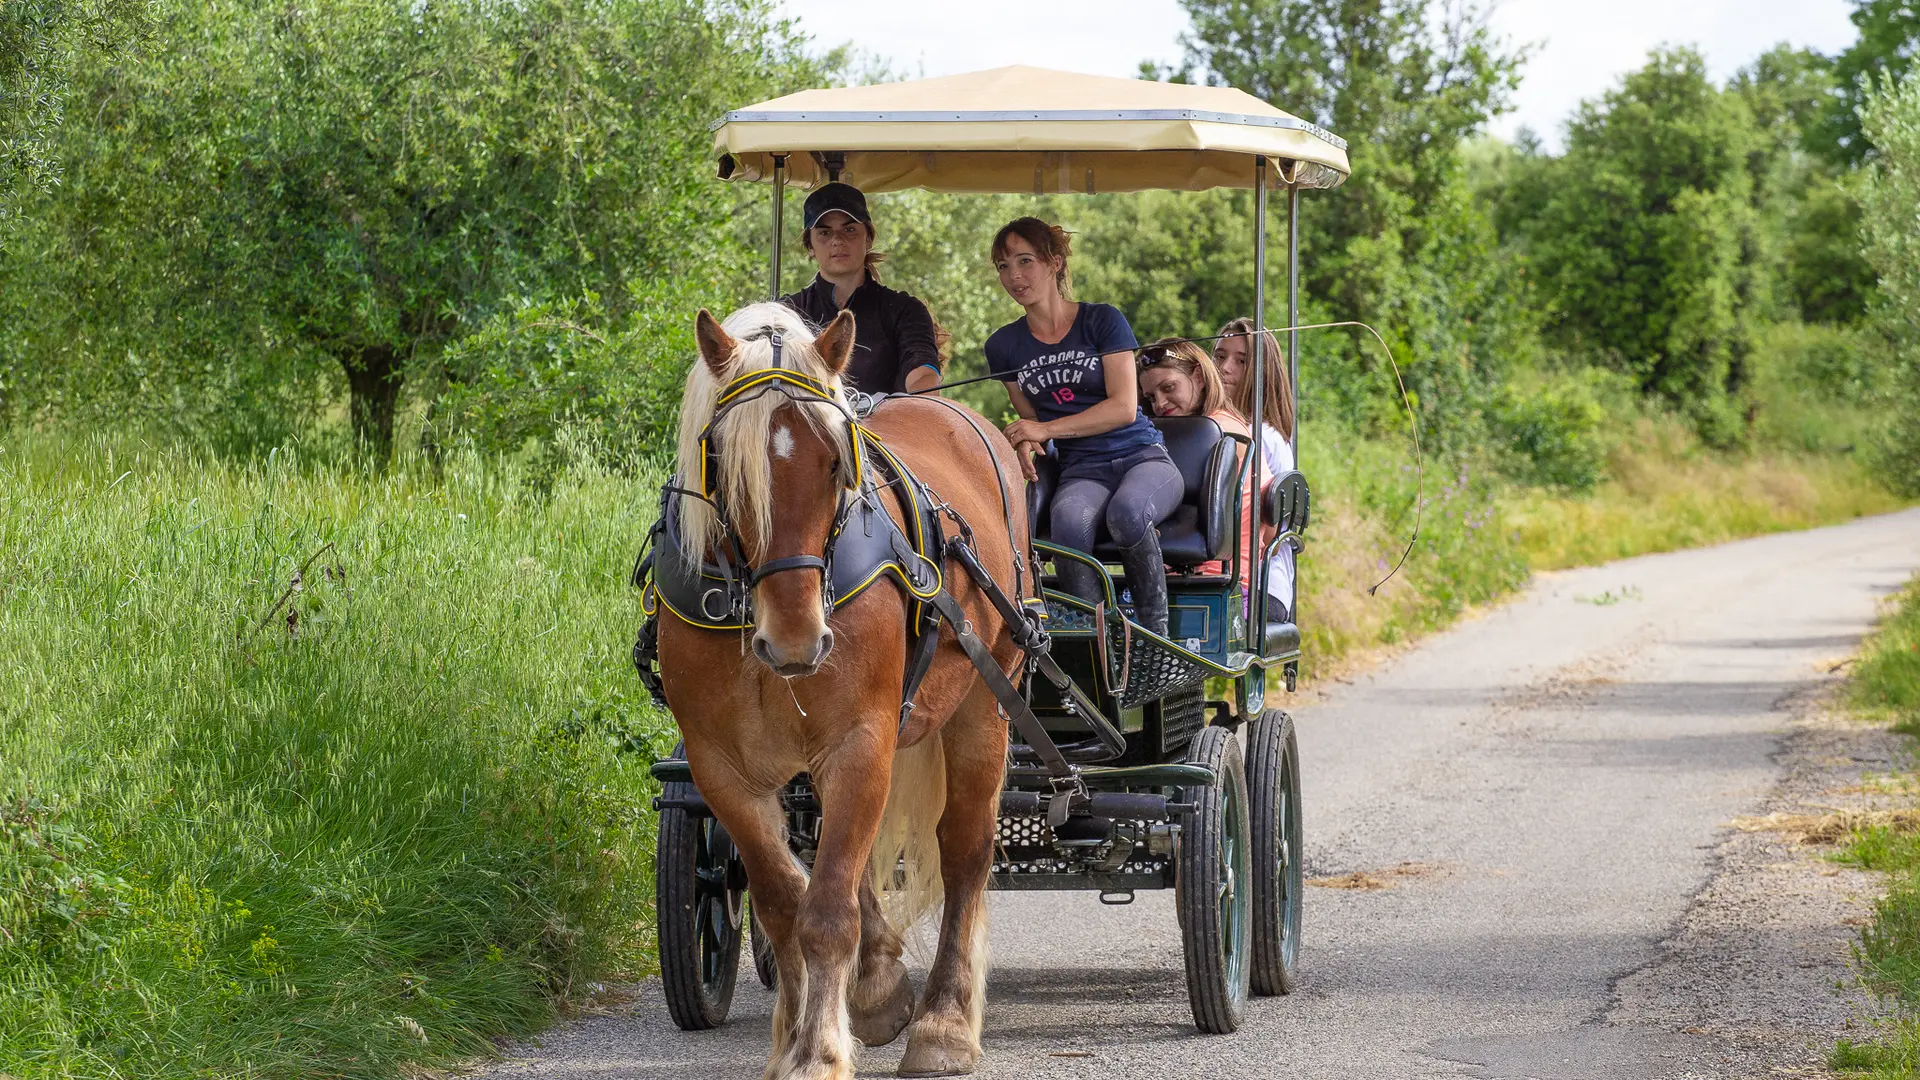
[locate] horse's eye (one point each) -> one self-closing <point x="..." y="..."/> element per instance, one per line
<point x="834" y="469"/>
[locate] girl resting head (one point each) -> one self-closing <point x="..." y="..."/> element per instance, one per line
<point x="1177" y="378"/>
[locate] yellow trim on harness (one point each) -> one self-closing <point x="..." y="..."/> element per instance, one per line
<point x="754" y="380"/>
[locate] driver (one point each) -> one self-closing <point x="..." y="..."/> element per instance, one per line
<point x="896" y="343"/>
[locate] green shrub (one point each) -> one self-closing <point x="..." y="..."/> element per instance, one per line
<point x="1556" y="432"/>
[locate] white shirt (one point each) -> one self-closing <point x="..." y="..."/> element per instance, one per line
<point x="1276" y="457"/>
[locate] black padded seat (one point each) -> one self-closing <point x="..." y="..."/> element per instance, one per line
<point x="1281" y="638"/>
<point x="1201" y="527"/>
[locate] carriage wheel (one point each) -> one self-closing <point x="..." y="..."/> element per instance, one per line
<point x="763" y="964"/>
<point x="699" y="892"/>
<point x="1273" y="789"/>
<point x="1214" y="872"/>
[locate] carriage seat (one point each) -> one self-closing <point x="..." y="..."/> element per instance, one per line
<point x="1201" y="527"/>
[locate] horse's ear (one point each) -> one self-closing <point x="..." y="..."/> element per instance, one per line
<point x="836" y="342"/>
<point x="716" y="346"/>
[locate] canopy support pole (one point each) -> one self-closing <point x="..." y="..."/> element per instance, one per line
<point x="1293" y="313"/>
<point x="1293" y="355"/>
<point x="1257" y="362"/>
<point x="779" y="219"/>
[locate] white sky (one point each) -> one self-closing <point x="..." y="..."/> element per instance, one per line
<point x="1585" y="46"/>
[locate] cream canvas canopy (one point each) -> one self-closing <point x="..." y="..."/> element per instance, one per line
<point x="1027" y="130"/>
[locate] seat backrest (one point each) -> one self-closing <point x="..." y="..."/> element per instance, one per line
<point x="1288" y="505"/>
<point x="1206" y="458"/>
<point x="1190" y="443"/>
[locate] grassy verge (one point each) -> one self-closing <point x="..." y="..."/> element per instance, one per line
<point x="383" y="817"/>
<point x="1886" y="685"/>
<point x="1664" y="492"/>
<point x="384" y="822"/>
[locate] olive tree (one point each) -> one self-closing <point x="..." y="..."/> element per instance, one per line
<point x="1890" y="194"/>
<point x="350" y="185"/>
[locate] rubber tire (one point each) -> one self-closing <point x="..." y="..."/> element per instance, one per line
<point x="763" y="962"/>
<point x="699" y="899"/>
<point x="1212" y="867"/>
<point x="1279" y="885"/>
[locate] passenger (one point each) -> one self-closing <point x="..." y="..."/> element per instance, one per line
<point x="1069" y="371"/>
<point x="1232" y="353"/>
<point x="896" y="342"/>
<point x="1179" y="379"/>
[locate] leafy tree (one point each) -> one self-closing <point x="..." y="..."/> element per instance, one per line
<point x="39" y="41"/>
<point x="355" y="183"/>
<point x="1404" y="81"/>
<point x="1644" y="244"/>
<point x="1809" y="220"/>
<point x="1403" y="245"/>
<point x="1888" y="45"/>
<point x="1889" y="193"/>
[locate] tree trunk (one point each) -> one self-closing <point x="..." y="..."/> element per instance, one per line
<point x="373" y="386"/>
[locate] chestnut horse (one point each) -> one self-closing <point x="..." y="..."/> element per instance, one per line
<point x="805" y="692"/>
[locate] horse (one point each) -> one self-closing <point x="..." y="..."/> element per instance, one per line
<point x="806" y="689"/>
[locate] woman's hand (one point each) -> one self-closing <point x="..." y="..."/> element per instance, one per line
<point x="1024" y="449"/>
<point x="1028" y="431"/>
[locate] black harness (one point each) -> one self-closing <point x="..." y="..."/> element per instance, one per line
<point x="864" y="546"/>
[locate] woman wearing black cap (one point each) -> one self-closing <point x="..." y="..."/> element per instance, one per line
<point x="895" y="343"/>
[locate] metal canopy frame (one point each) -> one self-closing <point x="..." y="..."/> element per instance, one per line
<point x="1289" y="175"/>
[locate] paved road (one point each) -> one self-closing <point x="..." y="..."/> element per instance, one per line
<point x="1543" y="788"/>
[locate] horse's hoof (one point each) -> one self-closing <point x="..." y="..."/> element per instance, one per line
<point x="933" y="1056"/>
<point x="884" y="1023"/>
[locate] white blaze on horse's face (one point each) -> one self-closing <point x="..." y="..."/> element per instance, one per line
<point x="790" y="633"/>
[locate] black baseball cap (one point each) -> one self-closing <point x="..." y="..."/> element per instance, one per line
<point x="836" y="196"/>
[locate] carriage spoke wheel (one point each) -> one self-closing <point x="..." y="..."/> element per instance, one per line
<point x="700" y="893"/>
<point x="1273" y="789"/>
<point x="1214" y="878"/>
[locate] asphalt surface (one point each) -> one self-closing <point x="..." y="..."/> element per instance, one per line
<point x="1534" y="806"/>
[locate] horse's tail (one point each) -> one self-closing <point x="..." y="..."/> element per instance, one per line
<point x="906" y="853"/>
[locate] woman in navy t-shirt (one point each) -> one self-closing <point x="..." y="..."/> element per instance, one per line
<point x="1068" y="368"/>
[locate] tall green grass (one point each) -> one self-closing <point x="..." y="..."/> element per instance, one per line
<point x="1886" y="684"/>
<point x="387" y="821"/>
<point x="1664" y="491"/>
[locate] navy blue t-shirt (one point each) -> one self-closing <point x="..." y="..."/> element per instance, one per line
<point x="1068" y="378"/>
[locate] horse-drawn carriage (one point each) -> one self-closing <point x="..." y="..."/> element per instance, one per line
<point x="1137" y="760"/>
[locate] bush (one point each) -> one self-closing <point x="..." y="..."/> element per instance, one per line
<point x="1555" y="432"/>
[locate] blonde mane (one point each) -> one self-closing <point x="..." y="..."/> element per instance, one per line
<point x="744" y="485"/>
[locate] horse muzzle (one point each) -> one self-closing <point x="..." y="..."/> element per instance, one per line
<point x="790" y="661"/>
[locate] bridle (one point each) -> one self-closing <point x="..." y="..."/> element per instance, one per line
<point x="739" y="575"/>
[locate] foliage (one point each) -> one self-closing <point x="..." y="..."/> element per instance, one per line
<point x="1639" y="239"/>
<point x="1809" y="218"/>
<point x="353" y="184"/>
<point x="386" y="821"/>
<point x="1885" y="52"/>
<point x="39" y="42"/>
<point x="1402" y="245"/>
<point x="1890" y="190"/>
<point x="1886" y="683"/>
<point x="1887" y="679"/>
<point x="1664" y="491"/>
<point x="1553" y="429"/>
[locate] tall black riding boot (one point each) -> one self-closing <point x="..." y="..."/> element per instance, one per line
<point x="1147" y="577"/>
<point x="1076" y="578"/>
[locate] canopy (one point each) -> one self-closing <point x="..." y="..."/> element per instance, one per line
<point x="1025" y="129"/>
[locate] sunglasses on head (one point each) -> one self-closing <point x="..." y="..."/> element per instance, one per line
<point x="1150" y="355"/>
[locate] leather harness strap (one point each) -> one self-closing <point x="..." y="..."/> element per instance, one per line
<point x="930" y="602"/>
